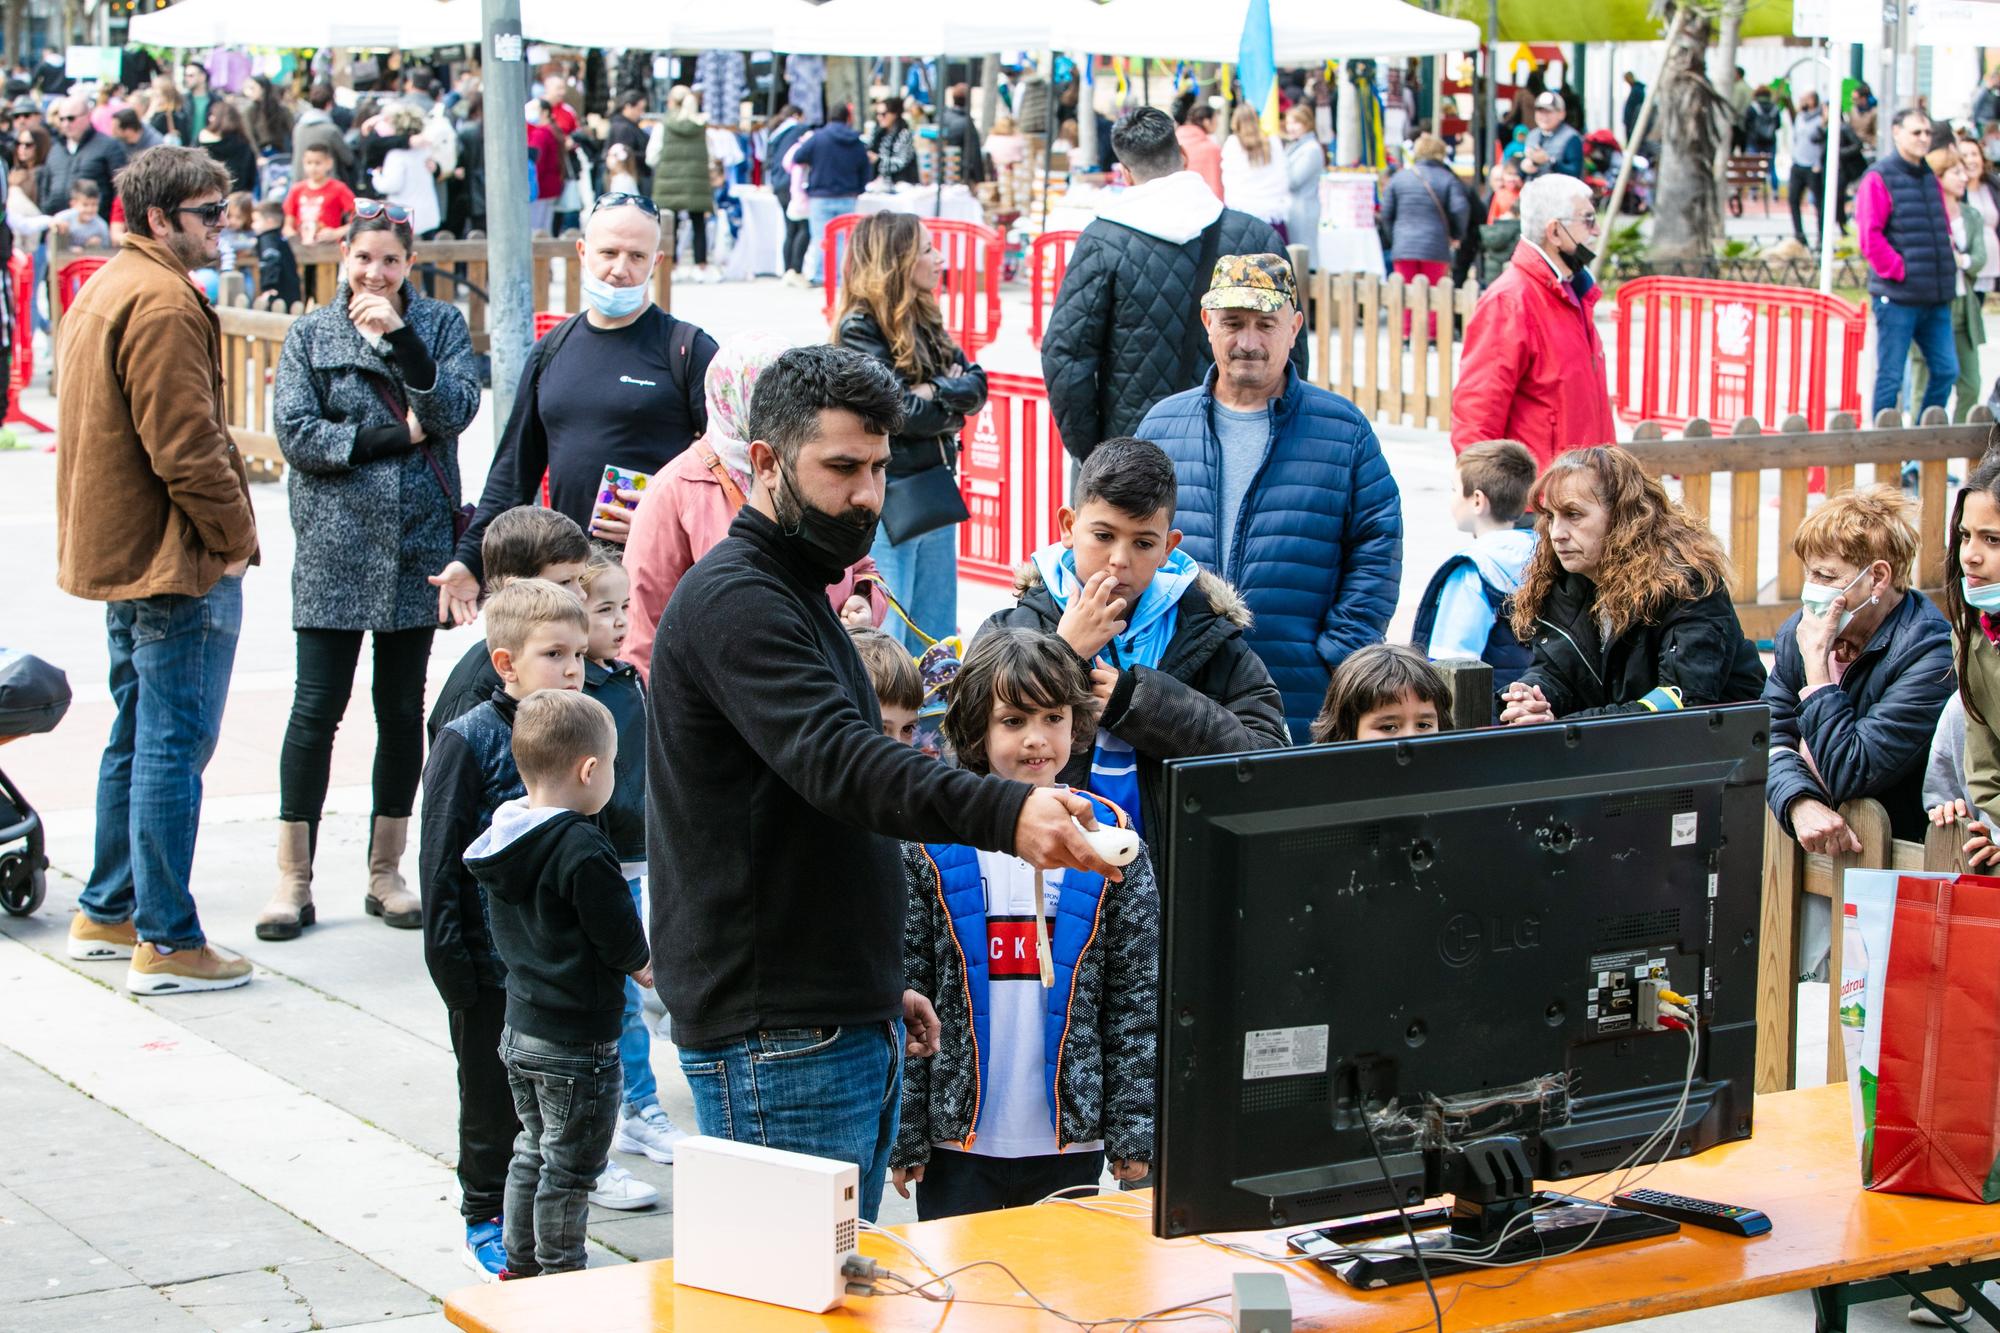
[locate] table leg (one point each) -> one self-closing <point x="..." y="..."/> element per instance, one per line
<point x="1830" y="1309"/>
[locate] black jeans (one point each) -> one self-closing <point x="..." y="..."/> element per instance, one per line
<point x="567" y="1096"/>
<point x="1805" y="180"/>
<point x="487" y="1124"/>
<point x="956" y="1182"/>
<point x="698" y="230"/>
<point x="798" y="236"/>
<point x="327" y="659"/>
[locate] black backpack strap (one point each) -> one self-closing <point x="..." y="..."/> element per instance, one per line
<point x="680" y="356"/>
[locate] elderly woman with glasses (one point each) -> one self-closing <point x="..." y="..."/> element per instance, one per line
<point x="1533" y="368"/>
<point x="373" y="390"/>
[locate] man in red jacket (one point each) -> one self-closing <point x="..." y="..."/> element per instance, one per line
<point x="1533" y="368"/>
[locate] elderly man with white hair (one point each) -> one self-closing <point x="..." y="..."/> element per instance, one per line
<point x="1533" y="368"/>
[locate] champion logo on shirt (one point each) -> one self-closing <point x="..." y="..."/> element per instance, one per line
<point x="644" y="384"/>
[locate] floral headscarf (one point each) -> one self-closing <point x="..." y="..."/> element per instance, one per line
<point x="732" y="377"/>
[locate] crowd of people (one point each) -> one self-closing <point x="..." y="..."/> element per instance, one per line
<point x="672" y="671"/>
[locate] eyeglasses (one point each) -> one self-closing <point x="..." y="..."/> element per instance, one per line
<point x="623" y="199"/>
<point x="64" y="120"/>
<point x="1588" y="222"/>
<point x="375" y="208"/>
<point x="209" y="215"/>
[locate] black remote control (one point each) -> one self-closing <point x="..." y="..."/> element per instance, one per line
<point x="1729" y="1217"/>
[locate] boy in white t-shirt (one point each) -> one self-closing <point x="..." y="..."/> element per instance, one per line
<point x="1044" y="983"/>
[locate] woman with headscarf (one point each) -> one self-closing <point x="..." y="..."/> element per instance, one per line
<point x="692" y="501"/>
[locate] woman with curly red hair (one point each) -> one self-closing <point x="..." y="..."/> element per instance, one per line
<point x="1625" y="602"/>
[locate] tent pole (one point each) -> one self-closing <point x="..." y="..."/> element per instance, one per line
<point x="1048" y="144"/>
<point x="937" y="123"/>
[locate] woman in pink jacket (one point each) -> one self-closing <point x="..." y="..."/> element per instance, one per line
<point x="692" y="501"/>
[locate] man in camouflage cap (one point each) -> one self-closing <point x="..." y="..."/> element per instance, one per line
<point x="1283" y="488"/>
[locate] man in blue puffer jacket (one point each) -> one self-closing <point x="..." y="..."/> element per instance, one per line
<point x="1283" y="489"/>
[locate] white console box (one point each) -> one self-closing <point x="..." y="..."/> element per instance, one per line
<point x="763" y="1224"/>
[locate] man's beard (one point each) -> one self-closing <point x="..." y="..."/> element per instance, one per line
<point x="791" y="508"/>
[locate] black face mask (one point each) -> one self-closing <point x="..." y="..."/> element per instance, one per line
<point x="834" y="543"/>
<point x="1579" y="255"/>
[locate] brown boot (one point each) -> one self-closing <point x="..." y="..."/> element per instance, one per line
<point x="388" y="897"/>
<point x="291" y="907"/>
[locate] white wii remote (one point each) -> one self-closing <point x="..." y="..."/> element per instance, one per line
<point x="1119" y="846"/>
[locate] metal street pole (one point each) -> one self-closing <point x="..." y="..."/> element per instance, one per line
<point x="509" y="248"/>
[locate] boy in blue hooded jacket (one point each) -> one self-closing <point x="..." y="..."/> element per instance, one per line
<point x="1162" y="637"/>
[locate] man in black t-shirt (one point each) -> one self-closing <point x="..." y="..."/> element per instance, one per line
<point x="621" y="384"/>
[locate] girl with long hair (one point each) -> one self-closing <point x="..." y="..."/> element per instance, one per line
<point x="1972" y="604"/>
<point x="269" y="120"/>
<point x="228" y="144"/>
<point x="889" y="310"/>
<point x="1625" y="602"/>
<point x="170" y="112"/>
<point x="1253" y="175"/>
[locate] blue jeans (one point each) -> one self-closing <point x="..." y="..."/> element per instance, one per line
<point x="1896" y="327"/>
<point x="820" y="212"/>
<point x="635" y="1042"/>
<point x="170" y="662"/>
<point x="566" y="1094"/>
<point x="830" y="1092"/>
<point x="922" y="573"/>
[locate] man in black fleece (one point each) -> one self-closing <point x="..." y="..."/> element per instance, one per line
<point x="570" y="935"/>
<point x="776" y="802"/>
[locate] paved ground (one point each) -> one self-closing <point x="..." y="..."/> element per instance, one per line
<point x="278" y="1157"/>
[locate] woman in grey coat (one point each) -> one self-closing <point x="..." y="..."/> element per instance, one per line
<point x="372" y="392"/>
<point x="1426" y="207"/>
<point x="1305" y="163"/>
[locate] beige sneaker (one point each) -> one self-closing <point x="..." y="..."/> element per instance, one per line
<point x="206" y="968"/>
<point x="94" y="942"/>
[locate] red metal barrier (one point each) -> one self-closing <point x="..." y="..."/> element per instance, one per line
<point x="72" y="276"/>
<point x="1048" y="260"/>
<point x="1690" y="347"/>
<point x="21" y="364"/>
<point x="546" y="322"/>
<point x="1013" y="473"/>
<point x="971" y="294"/>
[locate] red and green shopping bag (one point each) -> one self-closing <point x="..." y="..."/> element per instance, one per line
<point x="1920" y="1007"/>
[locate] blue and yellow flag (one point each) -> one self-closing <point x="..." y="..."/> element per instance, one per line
<point x="1257" y="64"/>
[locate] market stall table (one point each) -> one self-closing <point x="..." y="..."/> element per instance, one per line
<point x="759" y="250"/>
<point x="1801" y="1169"/>
<point x="923" y="202"/>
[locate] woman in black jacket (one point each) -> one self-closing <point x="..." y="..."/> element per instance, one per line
<point x="1625" y="602"/>
<point x="889" y="310"/>
<point x="228" y="144"/>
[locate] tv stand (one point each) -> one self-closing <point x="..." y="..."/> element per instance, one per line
<point x="1497" y="1216"/>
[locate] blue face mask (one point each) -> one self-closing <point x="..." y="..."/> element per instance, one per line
<point x="1818" y="598"/>
<point x="613" y="302"/>
<point x="1984" y="598"/>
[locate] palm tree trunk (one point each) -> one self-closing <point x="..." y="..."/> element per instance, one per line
<point x="1693" y="121"/>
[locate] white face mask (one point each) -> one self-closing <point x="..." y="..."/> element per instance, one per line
<point x="1817" y="599"/>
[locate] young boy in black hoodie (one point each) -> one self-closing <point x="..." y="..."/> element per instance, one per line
<point x="277" y="266"/>
<point x="536" y="633"/>
<point x="1162" y="637"/>
<point x="566" y="926"/>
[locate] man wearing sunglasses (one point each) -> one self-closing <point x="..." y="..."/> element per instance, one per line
<point x="622" y="383"/>
<point x="79" y="153"/>
<point x="153" y="519"/>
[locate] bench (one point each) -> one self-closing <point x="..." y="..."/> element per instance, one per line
<point x="1749" y="172"/>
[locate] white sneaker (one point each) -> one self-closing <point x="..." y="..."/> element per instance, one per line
<point x="651" y="1132"/>
<point x="620" y="1189"/>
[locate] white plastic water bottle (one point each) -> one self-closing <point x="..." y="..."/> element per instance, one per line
<point x="1853" y="988"/>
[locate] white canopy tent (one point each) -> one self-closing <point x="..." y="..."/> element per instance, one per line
<point x="421" y="24"/>
<point x="1304" y="32"/>
<point x="200" y="23"/>
<point x="924" y="28"/>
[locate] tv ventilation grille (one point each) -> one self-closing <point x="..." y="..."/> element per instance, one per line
<point x="1676" y="802"/>
<point x="1278" y="1094"/>
<point x="1367" y="1195"/>
<point x="1640" y="927"/>
<point x="1317" y="842"/>
<point x="845" y="1234"/>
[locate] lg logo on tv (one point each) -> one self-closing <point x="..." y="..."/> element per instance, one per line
<point x="1466" y="937"/>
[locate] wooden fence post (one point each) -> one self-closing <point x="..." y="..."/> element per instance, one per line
<point x="1791" y="513"/>
<point x="1745" y="504"/>
<point x="1777" y="959"/>
<point x="1471" y="682"/>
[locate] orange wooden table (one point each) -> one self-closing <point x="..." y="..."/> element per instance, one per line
<point x="1800" y="1168"/>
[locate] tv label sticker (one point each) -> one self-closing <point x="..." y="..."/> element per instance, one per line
<point x="1684" y="826"/>
<point x="1281" y="1052"/>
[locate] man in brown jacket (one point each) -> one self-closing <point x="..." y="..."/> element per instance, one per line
<point x="153" y="519"/>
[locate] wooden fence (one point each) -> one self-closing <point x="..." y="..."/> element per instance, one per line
<point x="1360" y="352"/>
<point x="1790" y="874"/>
<point x="1749" y="525"/>
<point x="251" y="342"/>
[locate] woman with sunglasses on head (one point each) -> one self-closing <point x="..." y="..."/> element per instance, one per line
<point x="373" y="390"/>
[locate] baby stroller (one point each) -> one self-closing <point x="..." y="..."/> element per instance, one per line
<point x="33" y="698"/>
